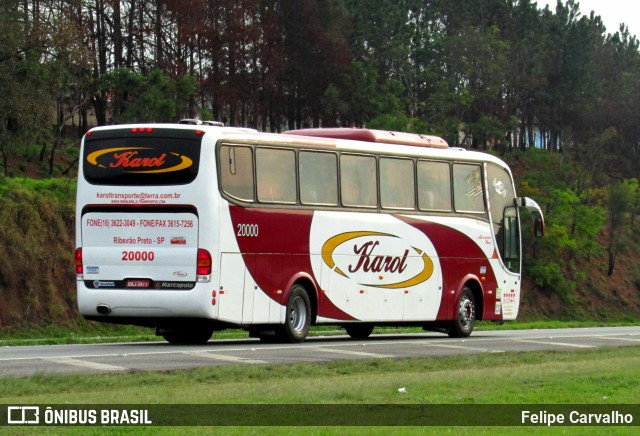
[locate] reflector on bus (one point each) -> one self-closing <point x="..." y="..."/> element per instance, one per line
<point x="372" y="135"/>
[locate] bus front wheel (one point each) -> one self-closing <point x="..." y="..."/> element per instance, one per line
<point x="298" y="316"/>
<point x="465" y="320"/>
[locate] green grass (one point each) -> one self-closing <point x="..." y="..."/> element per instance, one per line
<point x="63" y="190"/>
<point x="604" y="376"/>
<point x="81" y="333"/>
<point x="90" y="332"/>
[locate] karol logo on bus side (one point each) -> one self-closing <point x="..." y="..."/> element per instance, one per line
<point x="138" y="160"/>
<point x="366" y="246"/>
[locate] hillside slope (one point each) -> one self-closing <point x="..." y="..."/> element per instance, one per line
<point x="566" y="272"/>
<point x="37" y="280"/>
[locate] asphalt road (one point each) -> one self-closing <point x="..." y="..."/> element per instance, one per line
<point x="156" y="356"/>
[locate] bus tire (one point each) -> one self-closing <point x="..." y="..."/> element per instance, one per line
<point x="298" y="316"/>
<point x="359" y="331"/>
<point x="465" y="320"/>
<point x="198" y="336"/>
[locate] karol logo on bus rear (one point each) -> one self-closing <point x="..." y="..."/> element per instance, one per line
<point x="138" y="160"/>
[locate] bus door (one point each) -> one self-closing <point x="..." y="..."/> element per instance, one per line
<point x="508" y="276"/>
<point x="510" y="240"/>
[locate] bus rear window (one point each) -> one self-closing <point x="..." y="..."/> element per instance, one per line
<point x="160" y="157"/>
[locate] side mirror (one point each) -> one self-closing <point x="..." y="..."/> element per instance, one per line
<point x="536" y="212"/>
<point x="538" y="227"/>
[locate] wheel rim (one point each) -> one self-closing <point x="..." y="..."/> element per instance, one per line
<point x="298" y="314"/>
<point x="466" y="312"/>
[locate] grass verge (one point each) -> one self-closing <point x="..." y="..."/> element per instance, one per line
<point x="91" y="332"/>
<point x="603" y="376"/>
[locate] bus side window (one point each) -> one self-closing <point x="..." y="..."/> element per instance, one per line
<point x="467" y="188"/>
<point x="434" y="186"/>
<point x="276" y="175"/>
<point x="397" y="185"/>
<point x="318" y="178"/>
<point x="236" y="171"/>
<point x="358" y="180"/>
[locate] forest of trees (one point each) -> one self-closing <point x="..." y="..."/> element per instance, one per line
<point x="482" y="73"/>
<point x="495" y="75"/>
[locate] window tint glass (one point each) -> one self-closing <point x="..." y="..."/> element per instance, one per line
<point x="397" y="186"/>
<point x="276" y="175"/>
<point x="467" y="185"/>
<point x="236" y="171"/>
<point x="434" y="186"/>
<point x="509" y="241"/>
<point x="358" y="180"/>
<point x="158" y="157"/>
<point x="501" y="193"/>
<point x="318" y="178"/>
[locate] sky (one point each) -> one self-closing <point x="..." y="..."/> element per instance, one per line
<point x="612" y="12"/>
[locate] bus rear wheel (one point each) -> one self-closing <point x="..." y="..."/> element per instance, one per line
<point x="195" y="336"/>
<point x="359" y="331"/>
<point x="465" y="315"/>
<point x="298" y="316"/>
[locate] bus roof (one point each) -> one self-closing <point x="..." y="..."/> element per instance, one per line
<point x="373" y="135"/>
<point x="347" y="138"/>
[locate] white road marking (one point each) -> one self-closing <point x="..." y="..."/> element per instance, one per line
<point x="461" y="347"/>
<point x="86" y="364"/>
<point x="621" y="339"/>
<point x="222" y="357"/>
<point x="354" y="353"/>
<point x="562" y="344"/>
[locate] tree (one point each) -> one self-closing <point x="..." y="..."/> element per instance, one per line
<point x="316" y="53"/>
<point x="40" y="60"/>
<point x="488" y="73"/>
<point x="152" y="98"/>
<point x="617" y="207"/>
<point x="633" y="188"/>
<point x="383" y="80"/>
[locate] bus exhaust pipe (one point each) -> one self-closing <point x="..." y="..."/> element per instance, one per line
<point x="103" y="309"/>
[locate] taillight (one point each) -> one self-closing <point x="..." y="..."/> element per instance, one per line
<point x="79" y="269"/>
<point x="141" y="130"/>
<point x="203" y="270"/>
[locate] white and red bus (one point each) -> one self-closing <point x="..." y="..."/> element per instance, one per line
<point x="197" y="228"/>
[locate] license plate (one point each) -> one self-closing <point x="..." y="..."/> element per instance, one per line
<point x="138" y="283"/>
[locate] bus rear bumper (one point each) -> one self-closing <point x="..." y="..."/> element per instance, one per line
<point x="106" y="304"/>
